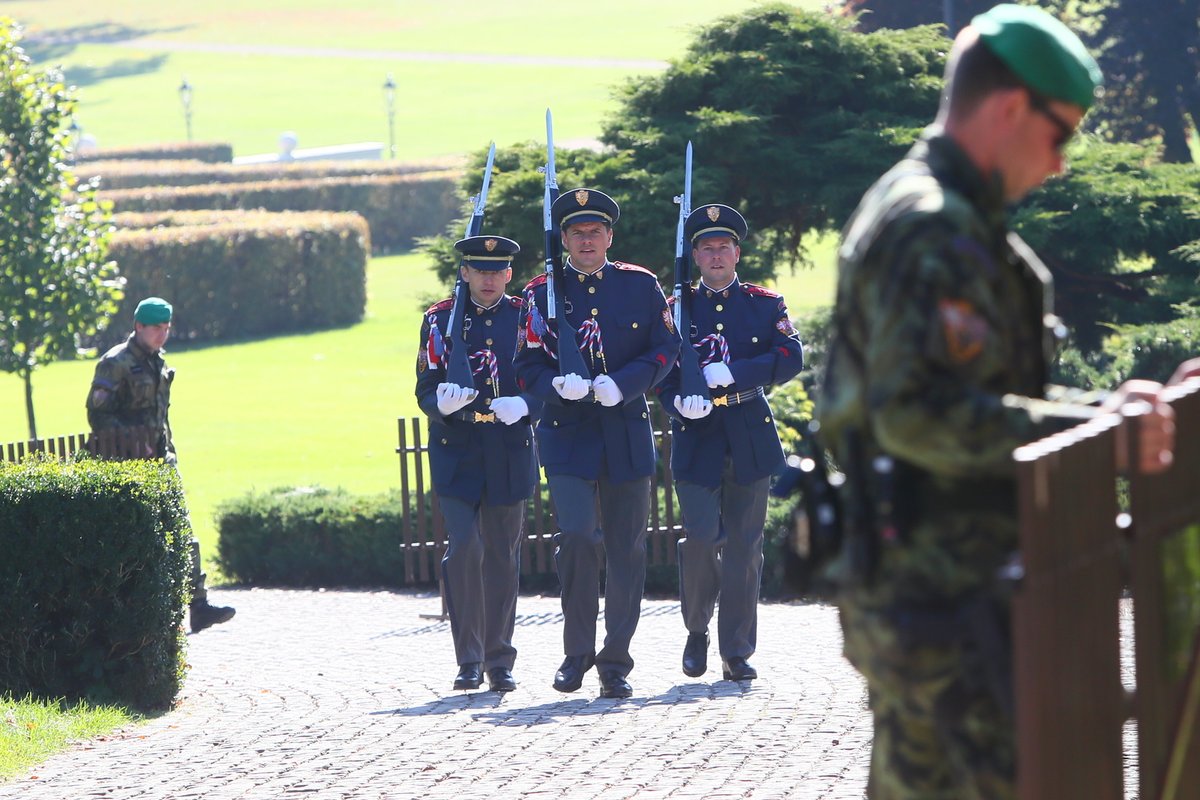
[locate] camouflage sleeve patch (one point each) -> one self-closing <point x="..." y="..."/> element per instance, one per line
<point x="964" y="330"/>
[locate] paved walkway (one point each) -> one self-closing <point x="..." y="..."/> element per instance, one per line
<point x="331" y="695"/>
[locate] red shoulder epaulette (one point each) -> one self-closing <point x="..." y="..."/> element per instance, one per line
<point x="760" y="291"/>
<point x="441" y="305"/>
<point x="536" y="282"/>
<point x="625" y="265"/>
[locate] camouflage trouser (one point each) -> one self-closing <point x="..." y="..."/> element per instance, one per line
<point x="939" y="732"/>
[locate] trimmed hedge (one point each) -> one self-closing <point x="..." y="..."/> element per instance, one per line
<point x="398" y="208"/>
<point x="93" y="581"/>
<point x="211" y="152"/>
<point x="310" y="536"/>
<point x="316" y="537"/>
<point x="241" y="274"/>
<point x="138" y="174"/>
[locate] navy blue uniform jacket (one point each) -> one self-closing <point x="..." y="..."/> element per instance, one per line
<point x="477" y="461"/>
<point x="624" y="329"/>
<point x="764" y="350"/>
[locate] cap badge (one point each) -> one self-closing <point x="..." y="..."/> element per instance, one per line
<point x="581" y="197"/>
<point x="714" y="213"/>
<point x="490" y="244"/>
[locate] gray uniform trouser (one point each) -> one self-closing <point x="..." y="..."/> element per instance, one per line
<point x="621" y="529"/>
<point x="480" y="573"/>
<point x="723" y="555"/>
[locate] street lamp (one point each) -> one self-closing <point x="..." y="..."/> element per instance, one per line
<point x="389" y="97"/>
<point x="185" y="97"/>
<point x="76" y="134"/>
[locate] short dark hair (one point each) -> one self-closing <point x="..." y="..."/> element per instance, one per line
<point x="975" y="73"/>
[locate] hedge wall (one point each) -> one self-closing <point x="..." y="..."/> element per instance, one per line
<point x="310" y="536"/>
<point x="212" y="152"/>
<point x="138" y="174"/>
<point x="294" y="272"/>
<point x="93" y="581"/>
<point x="398" y="208"/>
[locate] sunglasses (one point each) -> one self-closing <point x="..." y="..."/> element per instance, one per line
<point x="1042" y="106"/>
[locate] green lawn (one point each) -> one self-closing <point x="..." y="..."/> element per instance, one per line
<point x="261" y="67"/>
<point x="31" y="730"/>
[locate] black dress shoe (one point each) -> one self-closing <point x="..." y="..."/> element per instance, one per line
<point x="738" y="669"/>
<point x="695" y="655"/>
<point x="470" y="676"/>
<point x="500" y="679"/>
<point x="613" y="684"/>
<point x="570" y="675"/>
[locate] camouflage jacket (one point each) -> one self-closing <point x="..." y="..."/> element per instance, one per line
<point x="943" y="334"/>
<point x="132" y="388"/>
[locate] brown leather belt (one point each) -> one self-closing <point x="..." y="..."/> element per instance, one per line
<point x="737" y="397"/>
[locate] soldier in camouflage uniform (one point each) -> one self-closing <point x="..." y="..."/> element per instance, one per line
<point x="943" y="334"/>
<point x="132" y="389"/>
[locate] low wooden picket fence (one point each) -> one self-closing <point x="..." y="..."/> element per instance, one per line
<point x="423" y="533"/>
<point x="1079" y="557"/>
<point x="116" y="443"/>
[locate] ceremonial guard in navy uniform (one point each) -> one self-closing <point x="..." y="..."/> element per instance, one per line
<point x="595" y="440"/>
<point x="483" y="460"/>
<point x="725" y="449"/>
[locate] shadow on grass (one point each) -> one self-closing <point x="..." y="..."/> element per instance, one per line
<point x="124" y="68"/>
<point x="58" y="43"/>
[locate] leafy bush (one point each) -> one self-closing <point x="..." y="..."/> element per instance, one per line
<point x="309" y="536"/>
<point x="93" y="581"/>
<point x="398" y="208"/>
<point x="211" y="152"/>
<point x="241" y="274"/>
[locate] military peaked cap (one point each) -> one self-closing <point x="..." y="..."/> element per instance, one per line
<point x="714" y="220"/>
<point x="584" y="205"/>
<point x="487" y="252"/>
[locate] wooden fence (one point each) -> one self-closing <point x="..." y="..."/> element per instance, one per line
<point x="423" y="530"/>
<point x="1079" y="556"/>
<point x="119" y="443"/>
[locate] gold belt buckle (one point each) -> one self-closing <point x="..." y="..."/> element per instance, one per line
<point x="723" y="400"/>
<point x="485" y="417"/>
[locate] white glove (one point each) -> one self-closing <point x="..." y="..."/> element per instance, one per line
<point x="718" y="374"/>
<point x="510" y="409"/>
<point x="570" y="386"/>
<point x="693" y="406"/>
<point x="451" y="397"/>
<point x="607" y="391"/>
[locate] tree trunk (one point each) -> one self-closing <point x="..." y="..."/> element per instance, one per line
<point x="27" y="374"/>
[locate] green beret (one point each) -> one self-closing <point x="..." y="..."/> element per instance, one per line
<point x="152" y="311"/>
<point x="1045" y="54"/>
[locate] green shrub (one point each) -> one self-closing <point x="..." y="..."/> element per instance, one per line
<point x="93" y="581"/>
<point x="309" y="536"/>
<point x="138" y="174"/>
<point x="241" y="274"/>
<point x="398" y="208"/>
<point x="211" y="152"/>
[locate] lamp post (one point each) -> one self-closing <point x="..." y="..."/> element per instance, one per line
<point x="389" y="97"/>
<point x="185" y="97"/>
<point x="76" y="134"/>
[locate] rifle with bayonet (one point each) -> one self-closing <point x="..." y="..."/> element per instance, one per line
<point x="458" y="365"/>
<point x="569" y="358"/>
<point x="691" y="377"/>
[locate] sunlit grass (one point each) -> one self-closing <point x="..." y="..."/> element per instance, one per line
<point x="31" y="730"/>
